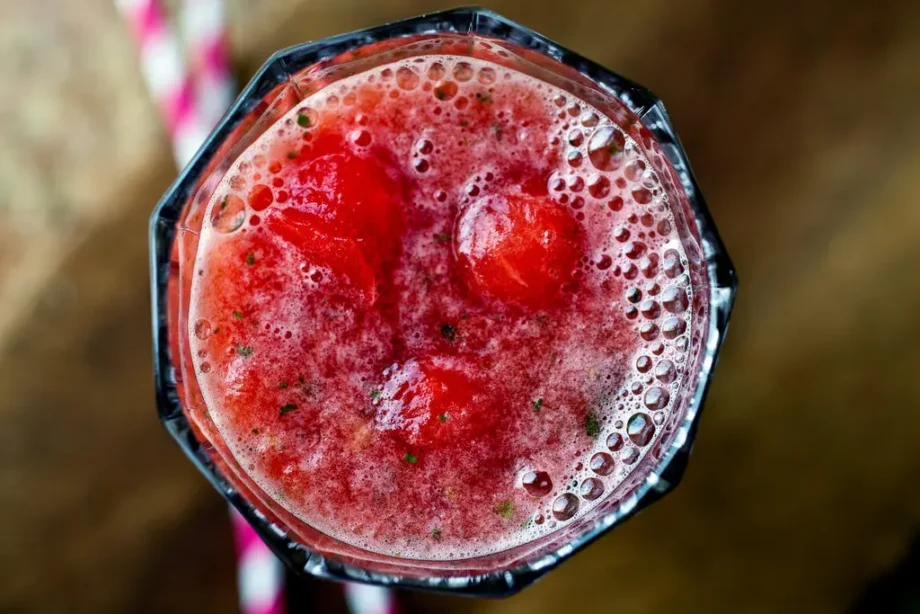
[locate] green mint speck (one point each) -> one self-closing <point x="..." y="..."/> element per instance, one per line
<point x="287" y="409"/>
<point x="237" y="314"/>
<point x="303" y="120"/>
<point x="250" y="259"/>
<point x="244" y="350"/>
<point x="538" y="404"/>
<point x="410" y="458"/>
<point x="442" y="237"/>
<point x="592" y="426"/>
<point x="505" y="509"/>
<point x="436" y="534"/>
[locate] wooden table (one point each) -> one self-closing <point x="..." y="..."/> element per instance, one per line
<point x="803" y="123"/>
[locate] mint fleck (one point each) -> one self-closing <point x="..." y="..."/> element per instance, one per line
<point x="244" y="350"/>
<point x="436" y="534"/>
<point x="216" y="330"/>
<point x="449" y="332"/>
<point x="442" y="237"/>
<point x="484" y="97"/>
<point x="538" y="404"/>
<point x="250" y="259"/>
<point x="439" y="93"/>
<point x="223" y="203"/>
<point x="283" y="384"/>
<point x="303" y="120"/>
<point x="443" y="417"/>
<point x="375" y="395"/>
<point x="291" y="155"/>
<point x="526" y="524"/>
<point x="287" y="409"/>
<point x="256" y="431"/>
<point x="410" y="458"/>
<point x="592" y="426"/>
<point x="505" y="509"/>
<point x="237" y="314"/>
<point x="464" y="123"/>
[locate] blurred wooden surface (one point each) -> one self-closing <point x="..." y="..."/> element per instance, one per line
<point x="803" y="124"/>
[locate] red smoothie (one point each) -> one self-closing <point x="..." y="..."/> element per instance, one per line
<point x="440" y="309"/>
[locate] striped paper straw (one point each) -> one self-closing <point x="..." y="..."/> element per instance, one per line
<point x="259" y="574"/>
<point x="190" y="103"/>
<point x="163" y="68"/>
<point x="203" y="28"/>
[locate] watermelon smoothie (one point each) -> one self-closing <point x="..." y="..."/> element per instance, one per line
<point x="440" y="309"/>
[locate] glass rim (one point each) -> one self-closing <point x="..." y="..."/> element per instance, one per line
<point x="277" y="70"/>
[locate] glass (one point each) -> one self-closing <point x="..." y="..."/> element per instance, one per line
<point x="277" y="87"/>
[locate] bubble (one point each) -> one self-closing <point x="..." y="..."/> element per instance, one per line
<point x="673" y="327"/>
<point x="614" y="442"/>
<point x="406" y="78"/>
<point x="577" y="203"/>
<point x="634" y="249"/>
<point x="205" y="367"/>
<point x="436" y="71"/>
<point x="605" y="149"/>
<point x="361" y="138"/>
<point x="349" y="99"/>
<point x="632" y="313"/>
<point x="640" y="429"/>
<point x="589" y="119"/>
<point x="648" y="331"/>
<point x="630" y="455"/>
<point x="574" y="158"/>
<point x="602" y="463"/>
<point x="665" y="371"/>
<point x="650" y="309"/>
<point x="615" y="204"/>
<point x="631" y="271"/>
<point x="657" y="398"/>
<point x="537" y="483"/>
<point x="657" y="348"/>
<point x="486" y="76"/>
<point x="652" y="288"/>
<point x="421" y="165"/>
<point x="635" y="387"/>
<point x="559" y="101"/>
<point x="634" y="295"/>
<point x="604" y="263"/>
<point x="565" y="506"/>
<point x="202" y="329"/>
<point x="576" y="184"/>
<point x="445" y="91"/>
<point x="574" y="109"/>
<point x="672" y="266"/>
<point x="633" y="170"/>
<point x="664" y="228"/>
<point x="681" y="344"/>
<point x="463" y="71"/>
<point x="621" y="234"/>
<point x="424" y="146"/>
<point x="599" y="187"/>
<point x="591" y="489"/>
<point x="642" y="196"/>
<point x="649" y="265"/>
<point x="658" y="418"/>
<point x="228" y="214"/>
<point x="575" y="137"/>
<point x="674" y="299"/>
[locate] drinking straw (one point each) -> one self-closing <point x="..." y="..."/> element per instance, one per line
<point x="190" y="103"/>
<point x="177" y="93"/>
<point x="166" y="77"/>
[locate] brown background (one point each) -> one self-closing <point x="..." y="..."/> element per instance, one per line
<point x="802" y="120"/>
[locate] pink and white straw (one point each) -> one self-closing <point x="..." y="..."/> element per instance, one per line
<point x="190" y="103"/>
<point x="163" y="68"/>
